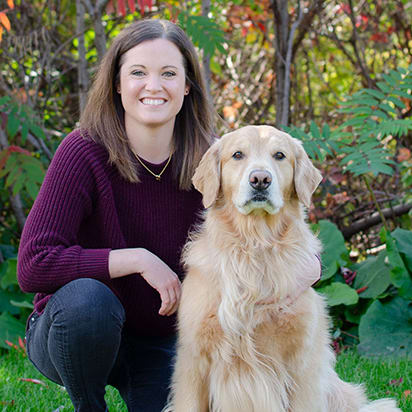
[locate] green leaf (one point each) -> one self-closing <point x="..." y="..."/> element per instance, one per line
<point x="314" y="129"/>
<point x="397" y="102"/>
<point x="32" y="189"/>
<point x="37" y="131"/>
<point x="403" y="240"/>
<point x="375" y="93"/>
<point x="334" y="248"/>
<point x="339" y="294"/>
<point x="399" y="274"/>
<point x="5" y="304"/>
<point x="10" y="329"/>
<point x="4" y="100"/>
<point x="13" y="123"/>
<point x="375" y="275"/>
<point x="386" y="329"/>
<point x="10" y="276"/>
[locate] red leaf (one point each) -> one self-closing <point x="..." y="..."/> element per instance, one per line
<point x="12" y="345"/>
<point x="110" y="7"/>
<point x="4" y="155"/>
<point x="18" y="149"/>
<point x="132" y="5"/>
<point x="262" y="27"/>
<point x="10" y="3"/>
<point x="396" y="382"/>
<point x="121" y="7"/>
<point x="22" y="345"/>
<point x="360" y="290"/>
<point x="36" y="381"/>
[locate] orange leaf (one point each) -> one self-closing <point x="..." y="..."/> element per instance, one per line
<point x="407" y="393"/>
<point x="10" y="4"/>
<point x="1" y="32"/>
<point x="5" y="21"/>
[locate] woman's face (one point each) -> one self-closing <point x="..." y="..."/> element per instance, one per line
<point x="152" y="84"/>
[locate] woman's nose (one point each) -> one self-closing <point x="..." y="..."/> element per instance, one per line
<point x="153" y="83"/>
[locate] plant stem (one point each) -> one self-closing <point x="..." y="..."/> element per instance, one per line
<point x="376" y="203"/>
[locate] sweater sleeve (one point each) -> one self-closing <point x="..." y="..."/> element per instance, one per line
<point x="49" y="254"/>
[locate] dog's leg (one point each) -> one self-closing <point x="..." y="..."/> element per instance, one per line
<point x="189" y="390"/>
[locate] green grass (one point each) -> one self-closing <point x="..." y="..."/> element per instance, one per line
<point x="20" y="396"/>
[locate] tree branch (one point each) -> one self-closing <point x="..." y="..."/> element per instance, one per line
<point x="374" y="219"/>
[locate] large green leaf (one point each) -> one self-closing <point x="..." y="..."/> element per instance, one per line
<point x="404" y="242"/>
<point x="386" y="329"/>
<point x="399" y="274"/>
<point x="373" y="274"/>
<point x="333" y="247"/>
<point x="10" y="275"/>
<point x="10" y="329"/>
<point x="339" y="294"/>
<point x="5" y="303"/>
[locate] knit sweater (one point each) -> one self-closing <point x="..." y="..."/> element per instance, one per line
<point x="84" y="209"/>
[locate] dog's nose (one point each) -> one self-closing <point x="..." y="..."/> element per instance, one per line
<point x="260" y="179"/>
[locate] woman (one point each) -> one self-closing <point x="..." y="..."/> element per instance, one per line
<point x="101" y="246"/>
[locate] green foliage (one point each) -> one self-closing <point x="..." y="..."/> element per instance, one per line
<point x="21" y="170"/>
<point x="386" y="329"/>
<point x="338" y="293"/>
<point x="15" y="306"/>
<point x="383" y="282"/>
<point x="372" y="115"/>
<point x="334" y="253"/>
<point x="20" y="118"/>
<point x="373" y="276"/>
<point x="204" y="32"/>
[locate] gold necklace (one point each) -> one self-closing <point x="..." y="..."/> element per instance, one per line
<point x="152" y="173"/>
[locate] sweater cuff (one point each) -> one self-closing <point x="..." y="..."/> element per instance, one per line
<point x="94" y="264"/>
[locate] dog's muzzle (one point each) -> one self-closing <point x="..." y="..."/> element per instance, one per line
<point x="260" y="179"/>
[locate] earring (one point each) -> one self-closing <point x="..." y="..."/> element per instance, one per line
<point x="186" y="92"/>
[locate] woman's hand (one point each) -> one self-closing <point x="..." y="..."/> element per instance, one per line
<point x="155" y="272"/>
<point x="159" y="276"/>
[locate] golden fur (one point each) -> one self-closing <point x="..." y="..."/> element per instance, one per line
<point x="240" y="349"/>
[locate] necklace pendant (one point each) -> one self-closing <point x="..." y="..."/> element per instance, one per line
<point x="157" y="178"/>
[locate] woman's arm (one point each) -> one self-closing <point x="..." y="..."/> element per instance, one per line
<point x="49" y="253"/>
<point x="123" y="262"/>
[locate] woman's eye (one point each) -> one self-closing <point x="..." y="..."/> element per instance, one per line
<point x="238" y="155"/>
<point x="169" y="74"/>
<point x="138" y="73"/>
<point x="279" y="156"/>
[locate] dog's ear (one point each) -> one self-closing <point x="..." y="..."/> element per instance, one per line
<point x="307" y="177"/>
<point x="207" y="175"/>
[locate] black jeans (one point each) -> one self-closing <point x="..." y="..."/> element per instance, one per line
<point x="79" y="342"/>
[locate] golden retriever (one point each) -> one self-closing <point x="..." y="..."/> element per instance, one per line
<point x="240" y="348"/>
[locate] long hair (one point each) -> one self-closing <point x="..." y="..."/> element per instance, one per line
<point x="103" y="117"/>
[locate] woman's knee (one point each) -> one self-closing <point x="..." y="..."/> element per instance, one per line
<point x="88" y="303"/>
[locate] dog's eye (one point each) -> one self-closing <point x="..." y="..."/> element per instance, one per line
<point x="237" y="155"/>
<point x="279" y="156"/>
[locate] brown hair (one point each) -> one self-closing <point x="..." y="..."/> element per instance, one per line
<point x="103" y="116"/>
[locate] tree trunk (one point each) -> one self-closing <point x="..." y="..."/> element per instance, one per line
<point x="83" y="76"/>
<point x="286" y="43"/>
<point x="206" y="57"/>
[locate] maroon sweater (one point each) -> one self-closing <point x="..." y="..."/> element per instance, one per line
<point x="84" y="209"/>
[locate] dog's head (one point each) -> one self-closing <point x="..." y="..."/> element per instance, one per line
<point x="257" y="168"/>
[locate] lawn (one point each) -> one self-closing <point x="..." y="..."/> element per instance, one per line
<point x="382" y="378"/>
